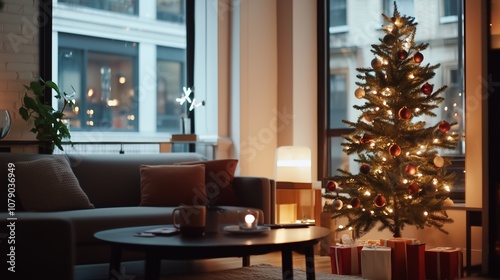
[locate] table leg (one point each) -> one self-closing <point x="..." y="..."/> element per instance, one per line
<point x="246" y="260"/>
<point x="309" y="253"/>
<point x="286" y="264"/>
<point x="115" y="262"/>
<point x="152" y="269"/>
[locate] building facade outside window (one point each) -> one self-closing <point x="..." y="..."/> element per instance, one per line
<point x="349" y="49"/>
<point x="115" y="6"/>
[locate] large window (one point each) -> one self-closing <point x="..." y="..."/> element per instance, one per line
<point x="126" y="61"/>
<point x="351" y="49"/>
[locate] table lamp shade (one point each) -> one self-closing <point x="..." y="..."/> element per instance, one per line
<point x="293" y="164"/>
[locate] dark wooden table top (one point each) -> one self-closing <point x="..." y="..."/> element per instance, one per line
<point x="214" y="245"/>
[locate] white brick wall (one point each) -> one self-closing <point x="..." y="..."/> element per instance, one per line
<point x="18" y="60"/>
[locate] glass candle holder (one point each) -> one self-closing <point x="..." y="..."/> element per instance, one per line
<point x="4" y="123"/>
<point x="248" y="219"/>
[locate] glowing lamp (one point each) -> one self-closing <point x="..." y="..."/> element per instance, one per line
<point x="293" y="167"/>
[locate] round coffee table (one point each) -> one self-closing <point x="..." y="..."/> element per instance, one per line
<point x="216" y="245"/>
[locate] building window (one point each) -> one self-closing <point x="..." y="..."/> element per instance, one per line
<point x="171" y="79"/>
<point x="128" y="7"/>
<point x="105" y="91"/>
<point x="451" y="7"/>
<point x="338" y="15"/>
<point x="337" y="100"/>
<point x="170" y="10"/>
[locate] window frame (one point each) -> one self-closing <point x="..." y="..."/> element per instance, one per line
<point x="46" y="42"/>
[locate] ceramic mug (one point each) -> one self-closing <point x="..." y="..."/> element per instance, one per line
<point x="190" y="220"/>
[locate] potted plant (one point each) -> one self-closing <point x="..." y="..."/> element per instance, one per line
<point x="48" y="124"/>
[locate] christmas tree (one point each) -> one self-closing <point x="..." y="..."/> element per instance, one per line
<point x="402" y="179"/>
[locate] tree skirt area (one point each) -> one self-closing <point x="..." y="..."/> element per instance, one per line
<point x="260" y="272"/>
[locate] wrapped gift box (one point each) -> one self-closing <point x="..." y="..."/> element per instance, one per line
<point x="398" y="255"/>
<point x="346" y="259"/>
<point x="415" y="261"/>
<point x="383" y="242"/>
<point x="443" y="263"/>
<point x="376" y="263"/>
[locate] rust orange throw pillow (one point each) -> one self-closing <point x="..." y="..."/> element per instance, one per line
<point x="219" y="175"/>
<point x="172" y="185"/>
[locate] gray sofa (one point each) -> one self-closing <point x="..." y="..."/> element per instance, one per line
<point x="112" y="183"/>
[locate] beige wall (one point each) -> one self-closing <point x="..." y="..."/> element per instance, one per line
<point x="277" y="82"/>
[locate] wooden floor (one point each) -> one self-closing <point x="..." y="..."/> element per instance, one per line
<point x="321" y="263"/>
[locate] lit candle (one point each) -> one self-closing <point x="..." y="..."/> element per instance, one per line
<point x="249" y="220"/>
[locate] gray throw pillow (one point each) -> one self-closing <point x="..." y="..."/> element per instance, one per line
<point x="49" y="184"/>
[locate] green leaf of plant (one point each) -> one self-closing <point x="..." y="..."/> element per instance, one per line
<point x="36" y="87"/>
<point x="54" y="86"/>
<point x="30" y="103"/>
<point x="24" y="113"/>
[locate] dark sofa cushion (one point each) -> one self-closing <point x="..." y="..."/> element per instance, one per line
<point x="48" y="184"/>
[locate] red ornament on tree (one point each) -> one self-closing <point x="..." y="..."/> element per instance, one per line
<point x="404" y="113"/>
<point x="402" y="54"/>
<point x="413" y="188"/>
<point x="427" y="88"/>
<point x="418" y="57"/>
<point x="411" y="169"/>
<point x="366" y="138"/>
<point x="331" y="186"/>
<point x="379" y="200"/>
<point x="365" y="168"/>
<point x="355" y="202"/>
<point x="395" y="150"/>
<point x="444" y="126"/>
